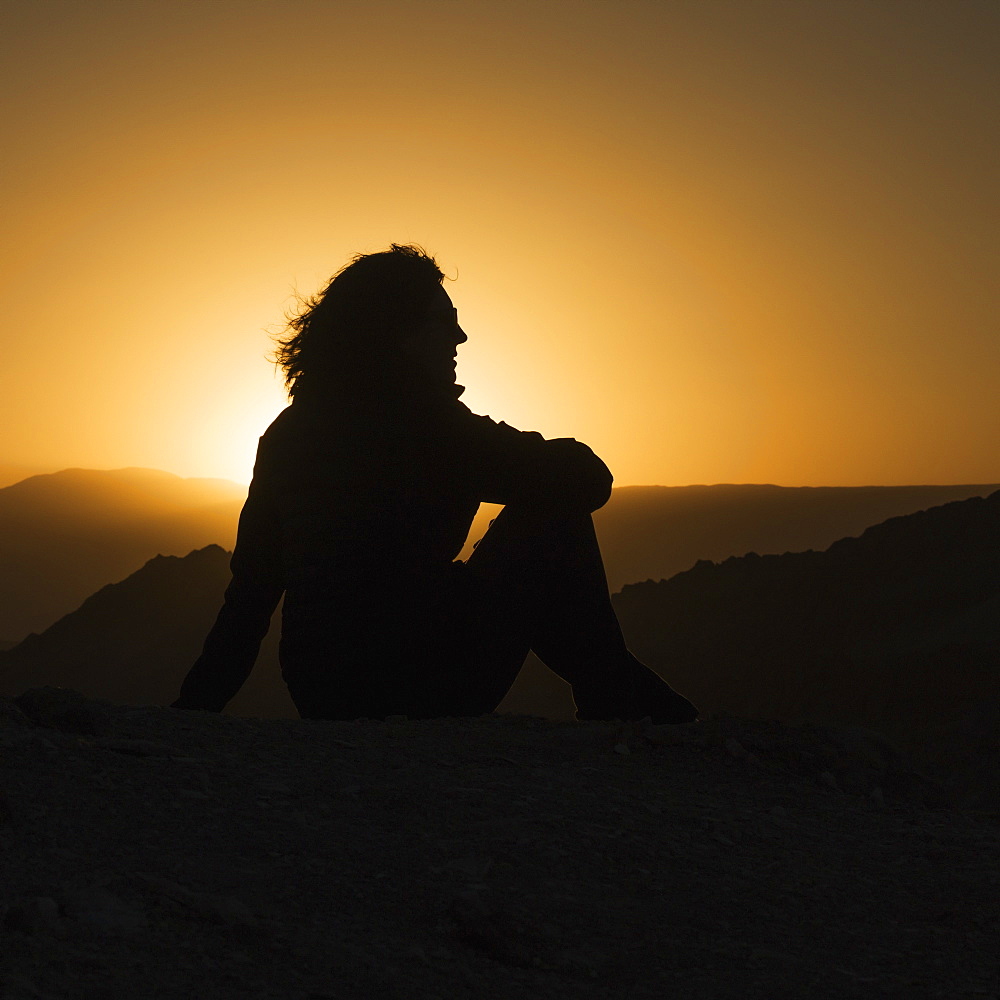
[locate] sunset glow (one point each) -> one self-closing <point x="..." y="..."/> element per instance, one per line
<point x="722" y="241"/>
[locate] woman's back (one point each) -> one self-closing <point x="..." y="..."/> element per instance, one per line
<point x="366" y="510"/>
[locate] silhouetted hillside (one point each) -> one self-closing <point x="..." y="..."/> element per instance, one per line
<point x="899" y="628"/>
<point x="64" y="535"/>
<point x="654" y="532"/>
<point x="132" y="642"/>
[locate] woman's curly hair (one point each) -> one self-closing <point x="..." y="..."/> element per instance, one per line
<point x="349" y="331"/>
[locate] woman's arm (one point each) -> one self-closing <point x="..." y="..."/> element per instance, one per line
<point x="561" y="475"/>
<point x="231" y="646"/>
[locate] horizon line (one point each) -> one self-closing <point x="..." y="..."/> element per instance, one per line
<point x="617" y="486"/>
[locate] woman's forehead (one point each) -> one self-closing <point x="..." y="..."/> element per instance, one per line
<point x="441" y="303"/>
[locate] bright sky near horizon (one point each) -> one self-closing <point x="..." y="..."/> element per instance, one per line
<point x="718" y="240"/>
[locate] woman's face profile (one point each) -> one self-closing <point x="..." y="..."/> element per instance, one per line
<point x="432" y="346"/>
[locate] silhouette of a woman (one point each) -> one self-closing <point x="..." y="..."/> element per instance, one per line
<point x="363" y="493"/>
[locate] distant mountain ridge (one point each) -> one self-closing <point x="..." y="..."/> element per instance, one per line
<point x="64" y="535"/>
<point x="127" y="488"/>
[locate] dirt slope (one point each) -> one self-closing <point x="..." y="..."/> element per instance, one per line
<point x="151" y="853"/>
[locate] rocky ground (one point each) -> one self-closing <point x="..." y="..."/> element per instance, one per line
<point x="151" y="853"/>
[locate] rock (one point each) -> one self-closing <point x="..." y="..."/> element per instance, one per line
<point x="137" y="748"/>
<point x="65" y="710"/>
<point x="218" y="908"/>
<point x="14" y="987"/>
<point x="32" y="915"/>
<point x="857" y="780"/>
<point x="24" y="738"/>
<point x="11" y="715"/>
<point x="102" y="910"/>
<point x="498" y="932"/>
<point x="226" y="910"/>
<point x="867" y="747"/>
<point x="740" y="752"/>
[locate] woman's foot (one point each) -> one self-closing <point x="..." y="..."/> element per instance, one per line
<point x="644" y="694"/>
<point x="654" y="697"/>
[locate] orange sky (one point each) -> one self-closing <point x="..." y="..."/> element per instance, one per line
<point x="741" y="241"/>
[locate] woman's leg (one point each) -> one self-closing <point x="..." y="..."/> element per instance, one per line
<point x="427" y="650"/>
<point x="538" y="581"/>
<point x="535" y="581"/>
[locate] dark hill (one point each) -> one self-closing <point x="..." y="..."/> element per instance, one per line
<point x="132" y="642"/>
<point x="899" y="629"/>
<point x="64" y="535"/>
<point x="654" y="532"/>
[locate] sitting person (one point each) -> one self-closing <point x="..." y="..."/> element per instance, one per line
<point x="363" y="493"/>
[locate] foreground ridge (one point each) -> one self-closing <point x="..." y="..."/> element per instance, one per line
<point x="488" y="857"/>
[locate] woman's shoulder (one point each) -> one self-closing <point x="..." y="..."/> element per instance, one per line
<point x="280" y="423"/>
